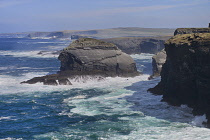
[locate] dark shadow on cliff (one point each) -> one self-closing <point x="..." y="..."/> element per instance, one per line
<point x="151" y="104"/>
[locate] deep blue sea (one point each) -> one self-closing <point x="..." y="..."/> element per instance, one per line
<point x="112" y="109"/>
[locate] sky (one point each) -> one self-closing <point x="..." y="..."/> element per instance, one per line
<point x="54" y="15"/>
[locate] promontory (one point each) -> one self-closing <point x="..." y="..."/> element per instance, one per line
<point x="185" y="76"/>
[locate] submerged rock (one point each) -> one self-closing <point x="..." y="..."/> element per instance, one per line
<point x="88" y="56"/>
<point x="185" y="77"/>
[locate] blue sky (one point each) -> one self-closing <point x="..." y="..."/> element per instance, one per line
<point x="54" y="15"/>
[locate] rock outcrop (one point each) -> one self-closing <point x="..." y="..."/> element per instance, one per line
<point x="191" y="30"/>
<point x="157" y="62"/>
<point x="93" y="57"/>
<point x="137" y="45"/>
<point x="185" y="76"/>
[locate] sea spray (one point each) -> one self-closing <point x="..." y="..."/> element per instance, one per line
<point x="113" y="108"/>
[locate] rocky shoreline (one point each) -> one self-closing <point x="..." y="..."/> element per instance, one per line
<point x="185" y="76"/>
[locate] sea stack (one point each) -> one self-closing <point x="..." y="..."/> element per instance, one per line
<point x="185" y="76"/>
<point x="90" y="57"/>
<point x="157" y="62"/>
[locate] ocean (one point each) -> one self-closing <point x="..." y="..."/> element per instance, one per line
<point x="111" y="109"/>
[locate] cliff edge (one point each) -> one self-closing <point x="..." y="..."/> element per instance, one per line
<point x="137" y="45"/>
<point x="191" y="30"/>
<point x="185" y="76"/>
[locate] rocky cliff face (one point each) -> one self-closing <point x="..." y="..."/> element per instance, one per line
<point x="185" y="77"/>
<point x="137" y="45"/>
<point x="93" y="57"/>
<point x="159" y="58"/>
<point x="157" y="62"/>
<point x="191" y="30"/>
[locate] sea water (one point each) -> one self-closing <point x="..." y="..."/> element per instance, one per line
<point x="110" y="109"/>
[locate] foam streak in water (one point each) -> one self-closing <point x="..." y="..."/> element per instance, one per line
<point x="32" y="54"/>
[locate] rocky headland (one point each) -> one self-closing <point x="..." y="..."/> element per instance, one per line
<point x="160" y="57"/>
<point x="185" y="76"/>
<point x="89" y="57"/>
<point x="191" y="30"/>
<point x="137" y="45"/>
<point x="98" y="34"/>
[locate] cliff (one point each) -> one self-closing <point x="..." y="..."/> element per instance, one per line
<point x="137" y="45"/>
<point x="90" y="57"/>
<point x="191" y="30"/>
<point x="159" y="58"/>
<point x="185" y="76"/>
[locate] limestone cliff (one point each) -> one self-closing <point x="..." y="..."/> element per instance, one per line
<point x="137" y="45"/>
<point x="185" y="77"/>
<point x="93" y="57"/>
<point x="191" y="30"/>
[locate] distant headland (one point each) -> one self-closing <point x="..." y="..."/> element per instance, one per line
<point x="98" y="33"/>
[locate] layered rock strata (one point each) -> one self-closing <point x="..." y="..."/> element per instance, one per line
<point x="185" y="76"/>
<point x="191" y="30"/>
<point x="137" y="45"/>
<point x="159" y="58"/>
<point x="93" y="57"/>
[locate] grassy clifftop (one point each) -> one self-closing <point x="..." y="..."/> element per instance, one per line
<point x="191" y="30"/>
<point x="90" y="42"/>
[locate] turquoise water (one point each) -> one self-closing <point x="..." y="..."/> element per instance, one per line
<point x="112" y="109"/>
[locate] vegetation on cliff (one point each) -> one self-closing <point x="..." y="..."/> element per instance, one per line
<point x="191" y="30"/>
<point x="90" y="42"/>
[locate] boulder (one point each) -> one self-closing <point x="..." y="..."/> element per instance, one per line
<point x="185" y="76"/>
<point x="87" y="56"/>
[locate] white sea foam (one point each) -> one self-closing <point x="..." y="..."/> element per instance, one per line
<point x="142" y="56"/>
<point x="152" y="118"/>
<point x="12" y="139"/>
<point x="11" y="84"/>
<point x="31" y="54"/>
<point x="199" y="120"/>
<point x="76" y="97"/>
<point x="6" y="118"/>
<point x="58" y="47"/>
<point x="8" y="67"/>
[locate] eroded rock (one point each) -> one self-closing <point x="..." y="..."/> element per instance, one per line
<point x="191" y="30"/>
<point x="185" y="77"/>
<point x="88" y="56"/>
<point x="157" y="62"/>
